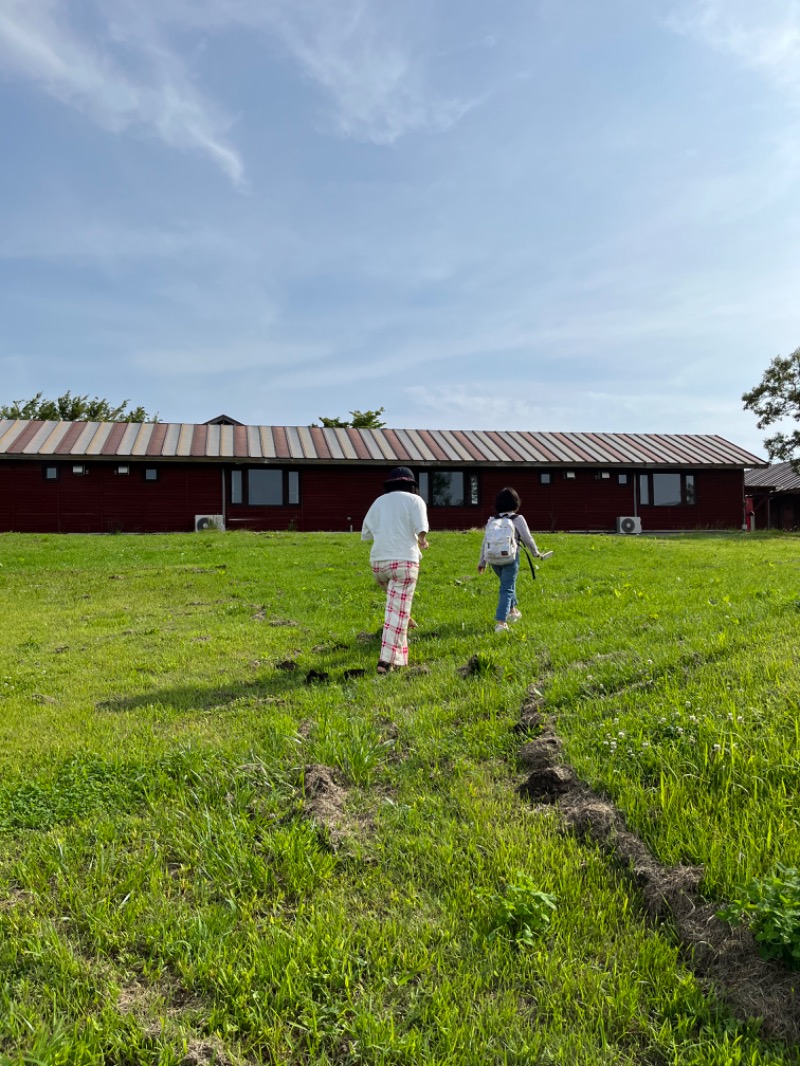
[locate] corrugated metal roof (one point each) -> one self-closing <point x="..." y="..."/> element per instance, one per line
<point x="416" y="446"/>
<point x="780" y="477"/>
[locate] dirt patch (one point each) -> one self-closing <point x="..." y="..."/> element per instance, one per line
<point x="720" y="956"/>
<point x="317" y="677"/>
<point x="472" y="666"/>
<point x="367" y="638"/>
<point x="208" y="1052"/>
<point x="325" y="801"/>
<point x="286" y="664"/>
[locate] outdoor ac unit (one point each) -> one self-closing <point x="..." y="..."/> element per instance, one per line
<point x="208" y="521"/>
<point x="629" y="525"/>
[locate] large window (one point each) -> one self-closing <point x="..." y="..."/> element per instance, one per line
<point x="667" y="490"/>
<point x="265" y="487"/>
<point x="449" y="488"/>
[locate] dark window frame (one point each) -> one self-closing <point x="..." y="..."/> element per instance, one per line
<point x="646" y="488"/>
<point x="545" y="477"/>
<point x="46" y="475"/>
<point x="239" y="486"/>
<point x="471" y="487"/>
<point x="150" y="473"/>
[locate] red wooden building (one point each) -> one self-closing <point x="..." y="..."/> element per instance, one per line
<point x="89" y="477"/>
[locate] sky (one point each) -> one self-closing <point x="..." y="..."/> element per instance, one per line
<point x="535" y="215"/>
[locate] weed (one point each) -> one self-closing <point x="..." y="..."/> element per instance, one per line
<point x="771" y="908"/>
<point x="522" y="913"/>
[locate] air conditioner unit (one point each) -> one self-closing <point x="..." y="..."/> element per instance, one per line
<point x="203" y="522"/>
<point x="629" y="525"/>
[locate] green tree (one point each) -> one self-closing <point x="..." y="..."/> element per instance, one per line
<point x="775" y="398"/>
<point x="69" y="408"/>
<point x="359" y="420"/>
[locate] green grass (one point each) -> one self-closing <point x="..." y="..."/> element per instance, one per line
<point x="163" y="888"/>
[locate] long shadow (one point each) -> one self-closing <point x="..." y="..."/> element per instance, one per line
<point x="276" y="685"/>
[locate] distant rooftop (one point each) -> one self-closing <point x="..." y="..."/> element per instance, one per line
<point x="229" y="440"/>
<point x="780" y="477"/>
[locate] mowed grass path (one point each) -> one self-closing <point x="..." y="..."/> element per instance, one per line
<point x="166" y="898"/>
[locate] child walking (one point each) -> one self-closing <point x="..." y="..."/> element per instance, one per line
<point x="500" y="549"/>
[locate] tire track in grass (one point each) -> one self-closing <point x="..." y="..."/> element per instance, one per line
<point x="720" y="956"/>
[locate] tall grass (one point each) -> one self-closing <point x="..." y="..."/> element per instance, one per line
<point x="163" y="885"/>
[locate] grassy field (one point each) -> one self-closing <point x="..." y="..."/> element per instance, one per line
<point x="182" y="882"/>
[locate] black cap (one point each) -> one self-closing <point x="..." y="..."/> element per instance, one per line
<point x="401" y="473"/>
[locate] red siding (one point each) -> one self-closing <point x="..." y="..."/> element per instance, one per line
<point x="333" y="497"/>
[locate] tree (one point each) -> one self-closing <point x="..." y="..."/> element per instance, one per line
<point x="777" y="397"/>
<point x="69" y="408"/>
<point x="360" y="420"/>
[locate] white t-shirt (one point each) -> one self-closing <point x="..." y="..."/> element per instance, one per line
<point x="393" y="523"/>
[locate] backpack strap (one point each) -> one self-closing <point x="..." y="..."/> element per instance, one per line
<point x="530" y="561"/>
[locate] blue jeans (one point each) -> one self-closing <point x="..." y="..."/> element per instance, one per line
<point x="508" y="588"/>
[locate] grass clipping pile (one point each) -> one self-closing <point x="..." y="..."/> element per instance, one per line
<point x="726" y="957"/>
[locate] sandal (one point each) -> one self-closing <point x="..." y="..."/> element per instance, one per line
<point x="384" y="668"/>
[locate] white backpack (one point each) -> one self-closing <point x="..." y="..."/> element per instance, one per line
<point x="500" y="542"/>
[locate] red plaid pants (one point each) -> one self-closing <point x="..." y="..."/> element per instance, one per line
<point x="399" y="578"/>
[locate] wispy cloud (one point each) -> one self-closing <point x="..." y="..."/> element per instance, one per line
<point x="122" y="82"/>
<point x="375" y="68"/>
<point x="765" y="36"/>
<point x="376" y="63"/>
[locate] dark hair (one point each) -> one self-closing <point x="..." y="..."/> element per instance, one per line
<point x="506" y="500"/>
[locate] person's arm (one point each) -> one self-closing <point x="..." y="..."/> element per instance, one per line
<point x="366" y="532"/>
<point x="422" y="525"/>
<point x="521" y="527"/>
<point x="482" y="559"/>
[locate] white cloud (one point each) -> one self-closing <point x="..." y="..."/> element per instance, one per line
<point x="375" y="62"/>
<point x="88" y="71"/>
<point x="765" y="36"/>
<point x="374" y="69"/>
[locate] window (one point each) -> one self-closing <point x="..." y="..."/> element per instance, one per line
<point x="150" y="473"/>
<point x="80" y="469"/>
<point x="603" y="475"/>
<point x="449" y="488"/>
<point x="570" y="475"/>
<point x="622" y="479"/>
<point x="265" y="487"/>
<point x="122" y="468"/>
<point x="667" y="490"/>
<point x="50" y="473"/>
<point x="545" y="477"/>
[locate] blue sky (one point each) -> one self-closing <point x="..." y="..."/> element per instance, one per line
<point x="527" y="215"/>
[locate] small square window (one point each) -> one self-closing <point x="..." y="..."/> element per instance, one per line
<point x="545" y="477"/>
<point x="50" y="473"/>
<point x="79" y="469"/>
<point x="622" y="479"/>
<point x="150" y="473"/>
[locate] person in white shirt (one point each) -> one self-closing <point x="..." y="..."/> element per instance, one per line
<point x="397" y="524"/>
